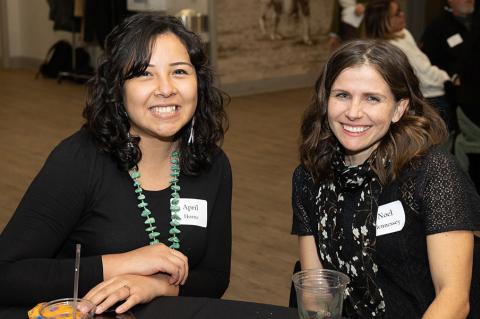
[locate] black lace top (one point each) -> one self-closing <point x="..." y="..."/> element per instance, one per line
<point x="436" y="196"/>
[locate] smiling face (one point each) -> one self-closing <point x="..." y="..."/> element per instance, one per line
<point x="162" y="100"/>
<point x="360" y="109"/>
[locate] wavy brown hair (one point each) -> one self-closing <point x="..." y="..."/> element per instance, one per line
<point x="417" y="131"/>
<point x="128" y="49"/>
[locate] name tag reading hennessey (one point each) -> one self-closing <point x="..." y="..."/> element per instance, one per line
<point x="390" y="218"/>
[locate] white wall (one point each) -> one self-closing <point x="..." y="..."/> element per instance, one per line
<point x="30" y="32"/>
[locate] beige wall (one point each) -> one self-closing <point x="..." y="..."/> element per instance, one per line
<point x="30" y="32"/>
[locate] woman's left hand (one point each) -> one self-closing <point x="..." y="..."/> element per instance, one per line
<point x="133" y="289"/>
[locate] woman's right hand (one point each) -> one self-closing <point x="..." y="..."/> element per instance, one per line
<point x="359" y="9"/>
<point x="146" y="261"/>
<point x="131" y="289"/>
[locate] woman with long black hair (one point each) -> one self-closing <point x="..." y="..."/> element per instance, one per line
<point x="143" y="186"/>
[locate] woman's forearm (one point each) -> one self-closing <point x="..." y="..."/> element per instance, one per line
<point x="449" y="304"/>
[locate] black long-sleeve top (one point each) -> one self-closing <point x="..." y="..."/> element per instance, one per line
<point x="81" y="196"/>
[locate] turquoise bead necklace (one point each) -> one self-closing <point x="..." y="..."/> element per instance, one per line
<point x="174" y="204"/>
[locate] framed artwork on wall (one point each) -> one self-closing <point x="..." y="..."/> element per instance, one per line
<point x="266" y="44"/>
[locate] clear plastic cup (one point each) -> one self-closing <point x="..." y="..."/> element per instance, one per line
<point x="63" y="309"/>
<point x="320" y="293"/>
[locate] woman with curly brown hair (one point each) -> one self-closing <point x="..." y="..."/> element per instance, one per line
<point x="143" y="186"/>
<point x="376" y="198"/>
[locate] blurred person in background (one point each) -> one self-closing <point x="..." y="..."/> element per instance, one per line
<point x="385" y="20"/>
<point x="452" y="41"/>
<point x="346" y="21"/>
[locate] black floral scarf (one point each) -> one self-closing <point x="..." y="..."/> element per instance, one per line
<point x="366" y="299"/>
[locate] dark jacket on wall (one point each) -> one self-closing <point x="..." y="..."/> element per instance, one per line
<point x="101" y="17"/>
<point x="61" y="13"/>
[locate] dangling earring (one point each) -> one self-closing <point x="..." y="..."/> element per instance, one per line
<point x="191" y="137"/>
<point x="129" y="137"/>
<point x="129" y="141"/>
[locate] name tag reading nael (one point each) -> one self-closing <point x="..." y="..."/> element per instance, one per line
<point x="390" y="218"/>
<point x="193" y="212"/>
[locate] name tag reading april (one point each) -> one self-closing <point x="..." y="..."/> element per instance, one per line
<point x="390" y="218"/>
<point x="193" y="212"/>
<point x="454" y="40"/>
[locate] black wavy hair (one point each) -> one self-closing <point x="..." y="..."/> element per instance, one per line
<point x="128" y="49"/>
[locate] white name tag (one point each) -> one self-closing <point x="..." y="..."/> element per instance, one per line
<point x="454" y="40"/>
<point x="390" y="218"/>
<point x="193" y="212"/>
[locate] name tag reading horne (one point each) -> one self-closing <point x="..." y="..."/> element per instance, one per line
<point x="193" y="212"/>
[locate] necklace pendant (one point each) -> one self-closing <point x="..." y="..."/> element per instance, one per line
<point x="174" y="204"/>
